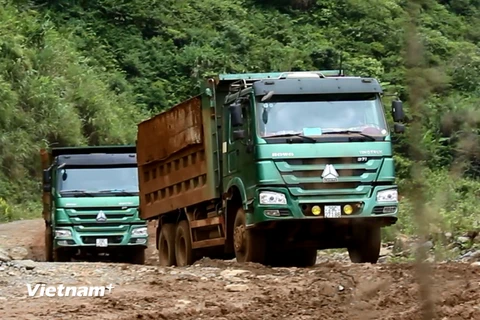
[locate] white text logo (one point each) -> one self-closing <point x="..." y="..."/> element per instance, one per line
<point x="283" y="154"/>
<point x="42" y="290"/>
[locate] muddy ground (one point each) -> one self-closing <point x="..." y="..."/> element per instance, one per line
<point x="333" y="289"/>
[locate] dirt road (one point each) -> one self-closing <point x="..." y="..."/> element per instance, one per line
<point x="225" y="289"/>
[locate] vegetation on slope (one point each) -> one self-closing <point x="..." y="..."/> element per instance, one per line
<point x="91" y="69"/>
<point x="50" y="94"/>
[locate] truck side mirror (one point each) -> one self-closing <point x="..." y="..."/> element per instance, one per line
<point x="238" y="134"/>
<point x="397" y="111"/>
<point x="47" y="180"/>
<point x="236" y="114"/>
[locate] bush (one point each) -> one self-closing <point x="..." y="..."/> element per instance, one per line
<point x="5" y="210"/>
<point x="453" y="205"/>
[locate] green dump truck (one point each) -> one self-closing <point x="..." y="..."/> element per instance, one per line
<point x="270" y="168"/>
<point x="90" y="204"/>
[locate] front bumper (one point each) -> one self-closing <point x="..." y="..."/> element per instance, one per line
<point x="313" y="207"/>
<point x="67" y="236"/>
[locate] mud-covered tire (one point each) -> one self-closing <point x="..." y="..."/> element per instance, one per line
<point x="365" y="245"/>
<point x="183" y="245"/>
<point x="166" y="245"/>
<point x="48" y="244"/>
<point x="249" y="244"/>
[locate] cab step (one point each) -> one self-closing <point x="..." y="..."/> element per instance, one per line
<point x="215" y="224"/>
<point x="205" y="222"/>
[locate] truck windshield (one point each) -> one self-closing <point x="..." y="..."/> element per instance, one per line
<point x="314" y="115"/>
<point x="98" y="180"/>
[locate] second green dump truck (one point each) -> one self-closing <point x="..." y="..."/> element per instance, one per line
<point x="90" y="198"/>
<point x="270" y="168"/>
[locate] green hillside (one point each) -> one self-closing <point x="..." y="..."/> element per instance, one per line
<point x="76" y="72"/>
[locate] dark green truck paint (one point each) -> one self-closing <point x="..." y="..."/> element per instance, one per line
<point x="280" y="152"/>
<point x="91" y="203"/>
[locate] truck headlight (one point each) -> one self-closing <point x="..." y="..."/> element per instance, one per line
<point x="63" y="233"/>
<point x="387" y="195"/>
<point x="268" y="197"/>
<point x="140" y="232"/>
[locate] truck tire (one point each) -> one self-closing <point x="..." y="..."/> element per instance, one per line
<point x="166" y="245"/>
<point x="183" y="245"/>
<point x="48" y="244"/>
<point x="249" y="245"/>
<point x="365" y="245"/>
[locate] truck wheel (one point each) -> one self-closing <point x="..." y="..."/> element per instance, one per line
<point x="183" y="244"/>
<point x="61" y="255"/>
<point x="166" y="245"/>
<point x="249" y="244"/>
<point x="138" y="256"/>
<point x="48" y="244"/>
<point x="365" y="245"/>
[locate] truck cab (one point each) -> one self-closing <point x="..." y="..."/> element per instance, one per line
<point x="90" y="197"/>
<point x="311" y="154"/>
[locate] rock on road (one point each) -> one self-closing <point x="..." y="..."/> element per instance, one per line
<point x="223" y="290"/>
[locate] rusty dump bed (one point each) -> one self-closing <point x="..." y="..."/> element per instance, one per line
<point x="173" y="151"/>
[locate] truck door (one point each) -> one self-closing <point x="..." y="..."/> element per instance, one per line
<point x="237" y="148"/>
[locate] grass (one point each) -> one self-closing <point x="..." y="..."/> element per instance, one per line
<point x="26" y="211"/>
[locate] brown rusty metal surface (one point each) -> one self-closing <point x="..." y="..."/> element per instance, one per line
<point x="169" y="132"/>
<point x="208" y="243"/>
<point x="172" y="160"/>
<point x="45" y="158"/>
<point x="177" y="182"/>
<point x="46" y="196"/>
<point x="205" y="222"/>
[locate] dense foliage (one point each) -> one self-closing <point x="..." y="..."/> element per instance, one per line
<point x="86" y="71"/>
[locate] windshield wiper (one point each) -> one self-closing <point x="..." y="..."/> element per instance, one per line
<point x="77" y="192"/>
<point x="294" y="135"/>
<point x="350" y="132"/>
<point x="118" y="191"/>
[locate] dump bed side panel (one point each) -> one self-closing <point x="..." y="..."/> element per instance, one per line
<point x="172" y="159"/>
<point x="46" y="160"/>
<point x="169" y="132"/>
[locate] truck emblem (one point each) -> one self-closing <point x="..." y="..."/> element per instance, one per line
<point x="330" y="174"/>
<point x="101" y="217"/>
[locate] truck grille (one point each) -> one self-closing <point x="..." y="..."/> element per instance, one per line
<point x="303" y="177"/>
<point x="88" y="216"/>
<point x="117" y="219"/>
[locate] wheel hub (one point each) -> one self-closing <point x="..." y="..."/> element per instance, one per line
<point x="239" y="238"/>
